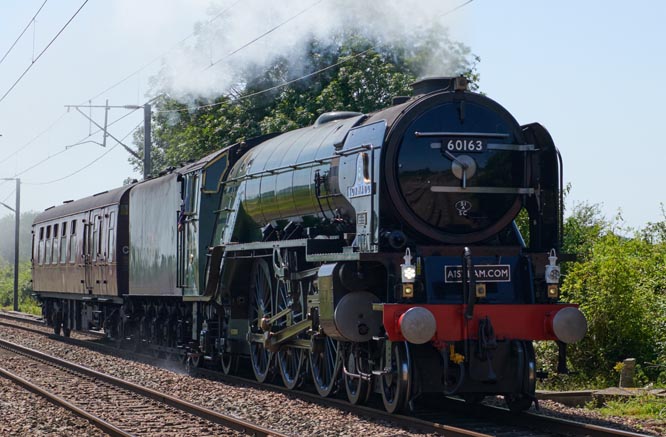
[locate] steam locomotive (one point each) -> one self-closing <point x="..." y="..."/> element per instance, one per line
<point x="377" y="253"/>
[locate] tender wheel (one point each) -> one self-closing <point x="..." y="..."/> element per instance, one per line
<point x="395" y="384"/>
<point x="355" y="362"/>
<point x="261" y="306"/>
<point x="175" y="357"/>
<point x="197" y="360"/>
<point x="66" y="331"/>
<point x="120" y="329"/>
<point x="228" y="362"/>
<point x="325" y="366"/>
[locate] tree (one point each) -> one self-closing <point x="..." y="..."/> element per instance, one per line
<point x="655" y="232"/>
<point x="582" y="229"/>
<point x="7" y="228"/>
<point x="26" y="302"/>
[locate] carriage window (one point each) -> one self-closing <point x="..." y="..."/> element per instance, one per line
<point x="111" y="241"/>
<point x="72" y="242"/>
<point x="63" y="243"/>
<point x="40" y="247"/>
<point x="100" y="234"/>
<point x="56" y="237"/>
<point x="47" y="252"/>
<point x="193" y="193"/>
<point x="95" y="232"/>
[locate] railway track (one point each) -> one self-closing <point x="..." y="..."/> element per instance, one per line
<point x="117" y="407"/>
<point x="452" y="418"/>
<point x="12" y="318"/>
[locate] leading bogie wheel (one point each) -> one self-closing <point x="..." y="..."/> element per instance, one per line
<point x="395" y="383"/>
<point x="473" y="398"/>
<point x="518" y="403"/>
<point x="357" y="368"/>
<point x="261" y="307"/>
<point x="526" y="373"/>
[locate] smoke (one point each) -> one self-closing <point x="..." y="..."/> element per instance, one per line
<point x="251" y="34"/>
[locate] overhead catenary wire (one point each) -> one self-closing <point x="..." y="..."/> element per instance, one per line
<point x="157" y="58"/>
<point x="70" y="146"/>
<point x="268" y="32"/>
<point x="81" y="141"/>
<point x="35" y="138"/>
<point x="27" y="26"/>
<point x="11" y="193"/>
<point x="77" y="171"/>
<point x="42" y="52"/>
<point x="283" y="84"/>
<point x="460" y="6"/>
<point x="244" y="46"/>
<point x="90" y="163"/>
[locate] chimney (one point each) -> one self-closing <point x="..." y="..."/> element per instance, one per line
<point x="432" y="84"/>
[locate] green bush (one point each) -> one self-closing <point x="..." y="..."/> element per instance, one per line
<point x="26" y="302"/>
<point x="620" y="289"/>
<point x="620" y="283"/>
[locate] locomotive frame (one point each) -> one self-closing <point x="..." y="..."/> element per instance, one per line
<point x="378" y="252"/>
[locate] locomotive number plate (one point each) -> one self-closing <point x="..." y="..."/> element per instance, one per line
<point x="483" y="273"/>
<point x="464" y="145"/>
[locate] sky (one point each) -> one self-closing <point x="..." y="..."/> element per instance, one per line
<point x="591" y="72"/>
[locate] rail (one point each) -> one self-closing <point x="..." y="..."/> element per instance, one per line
<point x="179" y="404"/>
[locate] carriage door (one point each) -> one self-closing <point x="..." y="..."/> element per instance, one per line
<point x="88" y="253"/>
<point x="188" y="235"/>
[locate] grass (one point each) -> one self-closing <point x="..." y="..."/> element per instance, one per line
<point x="643" y="406"/>
<point x="28" y="305"/>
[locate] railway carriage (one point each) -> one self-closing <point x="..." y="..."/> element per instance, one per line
<point x="377" y="253"/>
